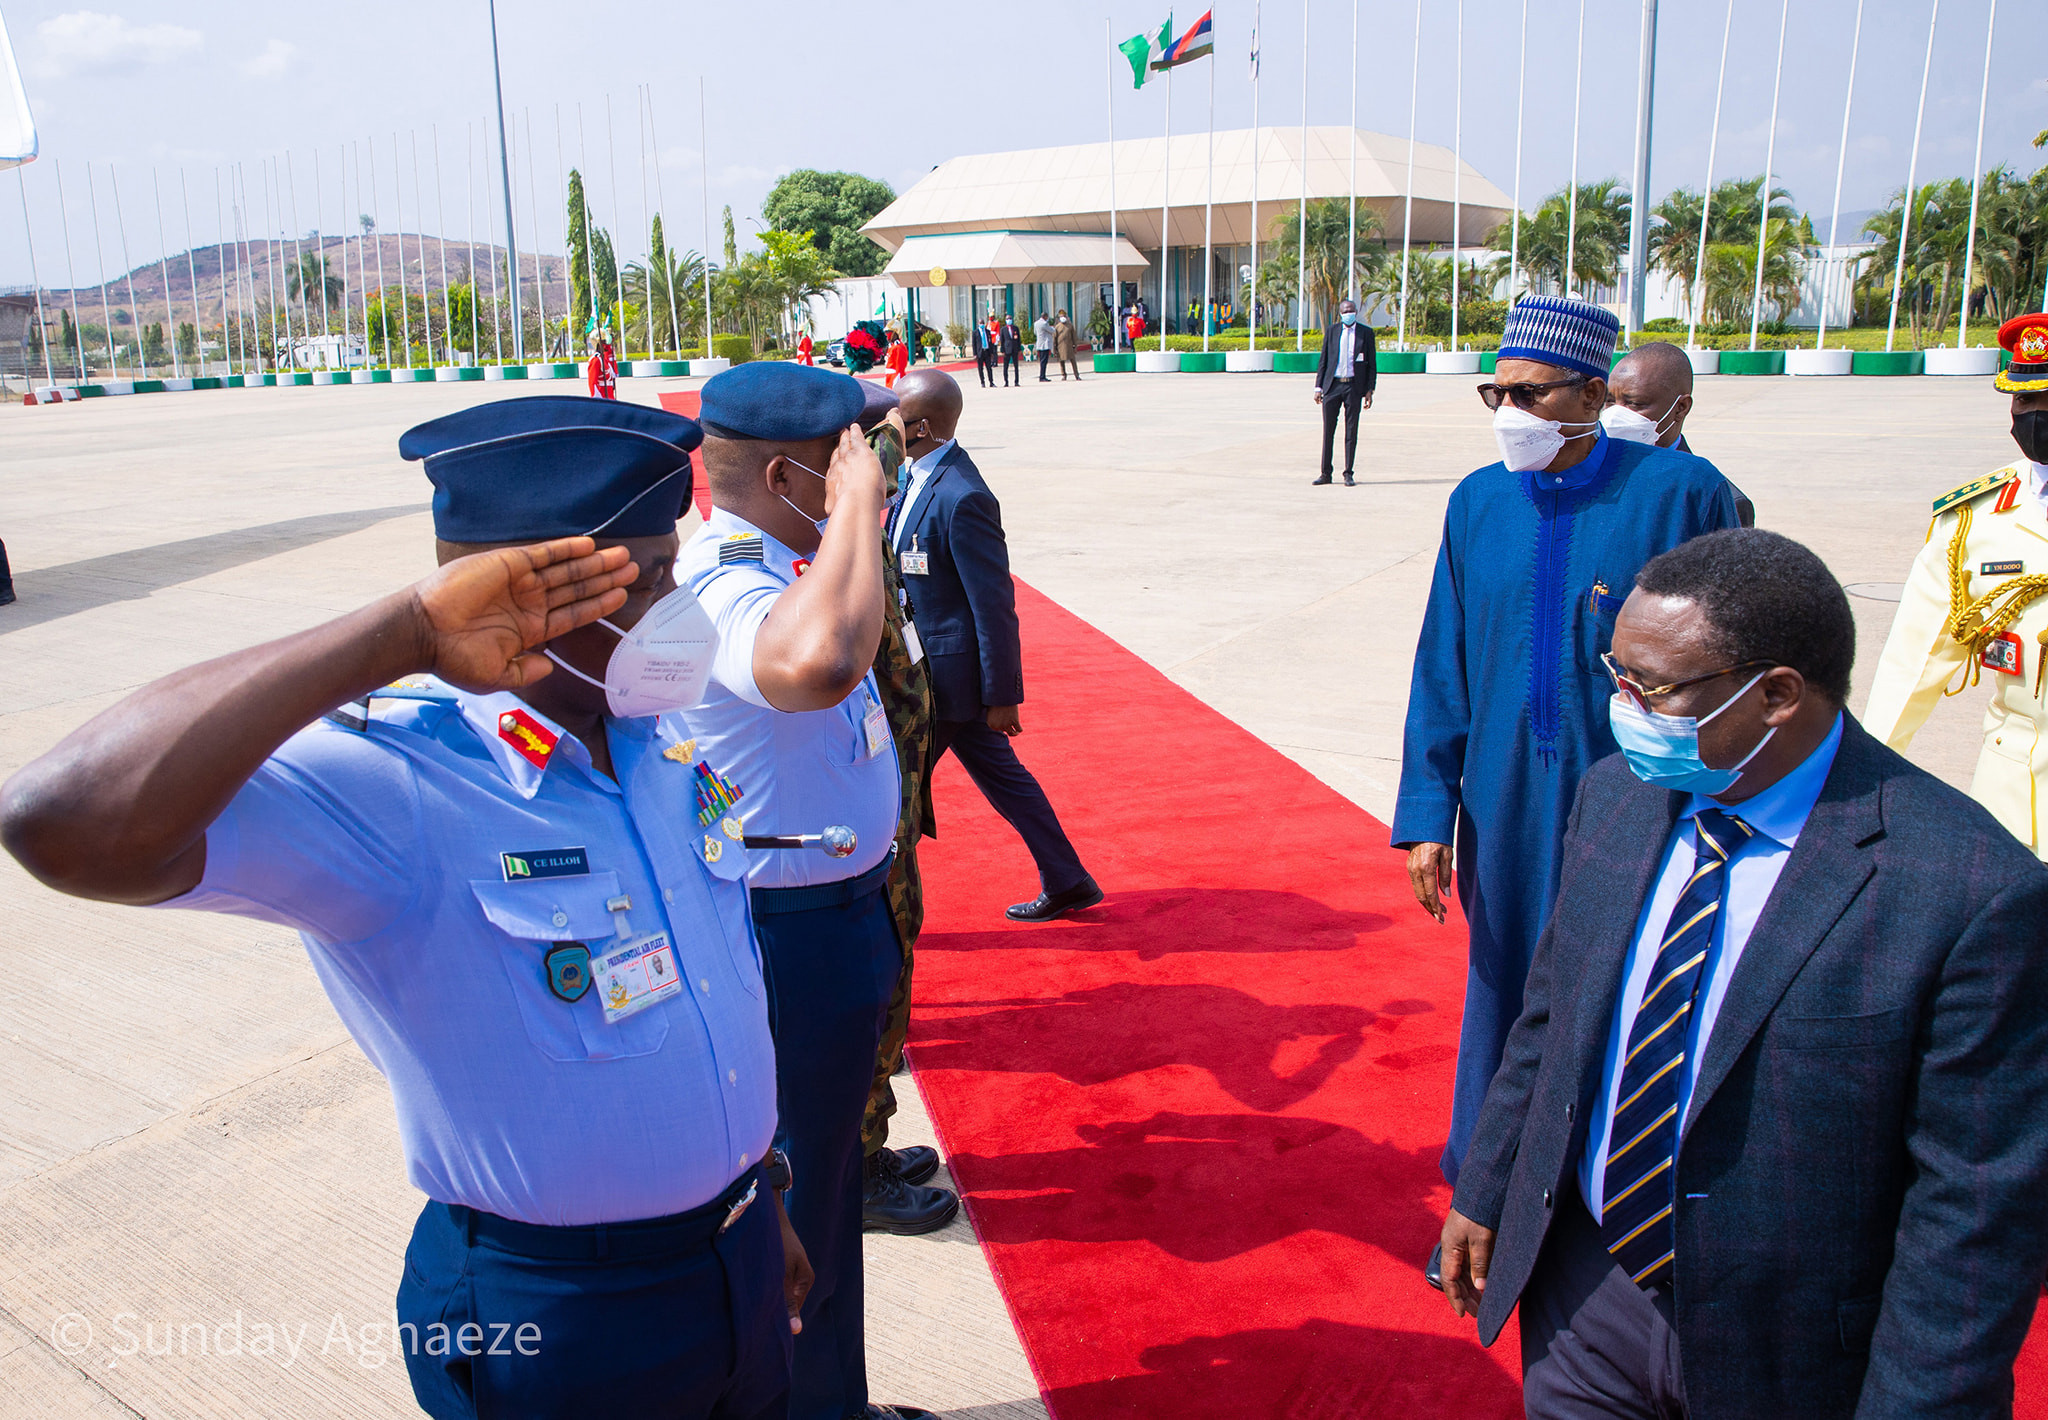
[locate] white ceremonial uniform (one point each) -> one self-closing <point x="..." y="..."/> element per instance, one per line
<point x="2004" y="522"/>
<point x="432" y="861"/>
<point x="800" y="771"/>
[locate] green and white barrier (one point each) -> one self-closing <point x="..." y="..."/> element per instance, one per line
<point x="504" y="372"/>
<point x="1158" y="362"/>
<point x="1201" y="362"/>
<point x="1819" y="362"/>
<point x="1242" y="362"/>
<point x="1888" y="362"/>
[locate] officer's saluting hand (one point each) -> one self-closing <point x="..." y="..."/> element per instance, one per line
<point x="524" y="900"/>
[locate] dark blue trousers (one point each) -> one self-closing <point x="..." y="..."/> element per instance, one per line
<point x="511" y="1321"/>
<point x="831" y="967"/>
<point x="1014" y="793"/>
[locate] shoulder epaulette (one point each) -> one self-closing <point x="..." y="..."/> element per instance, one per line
<point x="356" y="715"/>
<point x="741" y="547"/>
<point x="1975" y="488"/>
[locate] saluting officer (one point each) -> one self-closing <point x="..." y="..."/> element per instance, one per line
<point x="1974" y="606"/>
<point x="789" y="567"/>
<point x="495" y="870"/>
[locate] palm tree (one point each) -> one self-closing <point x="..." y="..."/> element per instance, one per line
<point x="1329" y="243"/>
<point x="797" y="271"/>
<point x="310" y="273"/>
<point x="669" y="287"/>
<point x="1728" y="276"/>
<point x="1554" y="255"/>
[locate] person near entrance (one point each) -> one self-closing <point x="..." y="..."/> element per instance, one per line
<point x="1347" y="371"/>
<point x="1041" y="340"/>
<point x="947" y="532"/>
<point x="1065" y="343"/>
<point x="988" y="349"/>
<point x="1011" y="346"/>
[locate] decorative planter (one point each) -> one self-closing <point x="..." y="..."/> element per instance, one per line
<point x="295" y="377"/>
<point x="504" y="372"/>
<point x="176" y="386"/>
<point x="1295" y="362"/>
<point x="1201" y="362"/>
<point x="1752" y="362"/>
<point x="1819" y="362"/>
<point x="377" y="377"/>
<point x="333" y="377"/>
<point x="454" y="374"/>
<point x="1453" y="362"/>
<point x="1704" y="362"/>
<point x="1977" y="361"/>
<point x="1488" y="361"/>
<point x="1402" y="362"/>
<point x="713" y="365"/>
<point x="1158" y="362"/>
<point x="1244" y="361"/>
<point x="1888" y="362"/>
<point x="207" y="382"/>
<point x="145" y="387"/>
<point x="541" y="372"/>
<point x="1107" y="363"/>
<point x="91" y="391"/>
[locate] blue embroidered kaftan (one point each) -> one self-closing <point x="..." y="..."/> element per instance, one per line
<point x="1508" y="703"/>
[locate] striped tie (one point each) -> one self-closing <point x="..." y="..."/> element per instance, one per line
<point x="896" y="504"/>
<point x="1643" y="1140"/>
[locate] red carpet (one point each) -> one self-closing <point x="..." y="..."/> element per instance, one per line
<point x="1197" y="1127"/>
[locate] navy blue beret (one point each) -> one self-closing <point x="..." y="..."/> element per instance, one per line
<point x="880" y="399"/>
<point x="555" y="466"/>
<point x="779" y="402"/>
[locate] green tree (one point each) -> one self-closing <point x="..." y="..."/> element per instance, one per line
<point x="670" y="285"/>
<point x="732" y="246"/>
<point x="1329" y="241"/>
<point x="153" y="351"/>
<point x="797" y="271"/>
<point x="1727" y="278"/>
<point x="580" y="259"/>
<point x="188" y="339"/>
<point x="832" y="207"/>
<point x="308" y="274"/>
<point x="1555" y="255"/>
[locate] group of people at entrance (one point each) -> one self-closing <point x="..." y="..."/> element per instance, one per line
<point x="999" y="346"/>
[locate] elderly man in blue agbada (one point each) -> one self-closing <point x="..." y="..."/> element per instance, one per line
<point x="1508" y="703"/>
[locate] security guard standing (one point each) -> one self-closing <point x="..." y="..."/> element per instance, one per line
<point x="789" y="568"/>
<point x="484" y="862"/>
<point x="1976" y="606"/>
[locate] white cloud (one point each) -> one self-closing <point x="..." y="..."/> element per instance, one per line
<point x="88" y="42"/>
<point x="276" y="58"/>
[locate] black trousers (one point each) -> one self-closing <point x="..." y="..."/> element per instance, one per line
<point x="985" y="367"/>
<point x="1014" y="793"/>
<point x="1010" y="370"/>
<point x="1594" y="1345"/>
<point x="1044" y="359"/>
<point x="1346" y="395"/>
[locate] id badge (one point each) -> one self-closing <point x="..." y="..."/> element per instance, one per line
<point x="2004" y="654"/>
<point x="876" y="725"/>
<point x="911" y="644"/>
<point x="913" y="562"/>
<point x="634" y="975"/>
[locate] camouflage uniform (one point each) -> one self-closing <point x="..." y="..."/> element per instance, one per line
<point x="907" y="696"/>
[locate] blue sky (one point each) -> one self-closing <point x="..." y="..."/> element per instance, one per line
<point x="891" y="91"/>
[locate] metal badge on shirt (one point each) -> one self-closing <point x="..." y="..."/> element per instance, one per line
<point x="634" y="975"/>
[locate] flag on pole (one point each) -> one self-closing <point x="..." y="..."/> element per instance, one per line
<point x="1145" y="51"/>
<point x="1197" y="43"/>
<point x="1255" y="50"/>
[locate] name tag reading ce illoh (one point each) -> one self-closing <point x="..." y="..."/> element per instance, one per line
<point x="634" y="975"/>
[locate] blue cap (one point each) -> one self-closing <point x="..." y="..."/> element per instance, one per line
<point x="519" y="470"/>
<point x="1559" y="330"/>
<point x="779" y="402"/>
<point x="879" y="400"/>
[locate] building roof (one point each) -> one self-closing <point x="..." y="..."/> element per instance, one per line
<point x="1068" y="189"/>
<point x="1001" y="258"/>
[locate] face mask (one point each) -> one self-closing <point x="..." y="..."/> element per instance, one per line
<point x="1527" y="442"/>
<point x="1665" y="749"/>
<point x="818" y="523"/>
<point x="1621" y="422"/>
<point x="662" y="664"/>
<point x="2030" y="432"/>
<point x="1351" y="318"/>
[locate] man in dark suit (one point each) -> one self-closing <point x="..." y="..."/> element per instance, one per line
<point x="1767" y="1138"/>
<point x="947" y="533"/>
<point x="1346" y="372"/>
<point x="1012" y="346"/>
<point x="988" y="342"/>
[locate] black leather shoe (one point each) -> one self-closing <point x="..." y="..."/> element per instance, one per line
<point x="1433" y="1270"/>
<point x="1314" y="482"/>
<point x="1047" y="906"/>
<point x="916" y="1162"/>
<point x="1349" y="481"/>
<point x="890" y="1204"/>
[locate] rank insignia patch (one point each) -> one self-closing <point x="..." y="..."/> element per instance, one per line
<point x="2001" y="569"/>
<point x="681" y="753"/>
<point x="741" y="547"/>
<point x="713" y="849"/>
<point x="715" y="793"/>
<point x="568" y="965"/>
<point x="533" y="741"/>
<point x="545" y="863"/>
<point x="732" y="828"/>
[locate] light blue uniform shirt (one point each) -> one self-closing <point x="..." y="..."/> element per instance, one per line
<point x="798" y="772"/>
<point x="382" y="848"/>
<point x="1778" y="815"/>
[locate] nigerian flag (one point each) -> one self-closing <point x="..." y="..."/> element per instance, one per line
<point x="1144" y="50"/>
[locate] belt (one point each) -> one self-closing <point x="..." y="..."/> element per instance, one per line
<point x="770" y="902"/>
<point x="592" y="1242"/>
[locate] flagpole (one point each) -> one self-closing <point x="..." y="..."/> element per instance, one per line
<point x="1208" y="213"/>
<point x="1699" y="269"/>
<point x="383" y="290"/>
<point x="1639" y="209"/>
<point x="1408" y="201"/>
<point x="1521" y="92"/>
<point x="319" y="246"/>
<point x="163" y="266"/>
<point x="70" y="271"/>
<point x="1301" y="222"/>
<point x="1252" y="314"/>
<point x="100" y="252"/>
<point x="227" y="310"/>
<point x="1763" y="214"/>
<point x="589" y="237"/>
<point x="704" y="144"/>
<point x="611" y="148"/>
<point x="35" y="279"/>
<point x="1116" y="285"/>
<point x="668" y="278"/>
<point x="1976" y="179"/>
<point x="1458" y="174"/>
<point x="299" y="253"/>
<point x="1912" y="178"/>
<point x="192" y="282"/>
<point x="505" y="180"/>
<point x="540" y="276"/>
<point x="273" y="260"/>
<point x="1571" y="241"/>
<point x="134" y="311"/>
<point x="497" y="303"/>
<point x="1165" y="193"/>
<point x="646" y="215"/>
<point x="1841" y="161"/>
<point x="569" y="261"/>
<point x="1351" y="236"/>
<point x="441" y="220"/>
<point x="419" y="221"/>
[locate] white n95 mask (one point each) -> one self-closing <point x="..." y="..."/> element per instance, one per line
<point x="1527" y="442"/>
<point x="662" y="664"/>
<point x="1621" y="422"/>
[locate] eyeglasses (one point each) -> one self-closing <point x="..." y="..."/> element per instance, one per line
<point x="1644" y="694"/>
<point x="1523" y="395"/>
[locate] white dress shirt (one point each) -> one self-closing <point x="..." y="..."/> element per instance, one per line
<point x="1778" y="815"/>
<point x="920" y="474"/>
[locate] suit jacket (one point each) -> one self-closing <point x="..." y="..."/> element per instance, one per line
<point x="1368" y="357"/>
<point x="985" y="345"/>
<point x="966" y="603"/>
<point x="1861" y="1226"/>
<point x="1012" y="345"/>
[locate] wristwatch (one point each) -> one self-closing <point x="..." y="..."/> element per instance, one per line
<point x="775" y="1168"/>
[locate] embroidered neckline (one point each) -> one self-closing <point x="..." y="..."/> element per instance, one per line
<point x="1557" y="509"/>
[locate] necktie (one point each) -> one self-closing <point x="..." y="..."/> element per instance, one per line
<point x="896" y="503"/>
<point x="1635" y="1220"/>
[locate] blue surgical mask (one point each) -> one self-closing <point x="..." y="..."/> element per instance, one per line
<point x="818" y="523"/>
<point x="1665" y="749"/>
<point x="1351" y="317"/>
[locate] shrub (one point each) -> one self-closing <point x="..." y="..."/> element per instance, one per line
<point x="736" y="348"/>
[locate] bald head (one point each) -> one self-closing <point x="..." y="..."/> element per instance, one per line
<point x="931" y="408"/>
<point x="1655" y="380"/>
